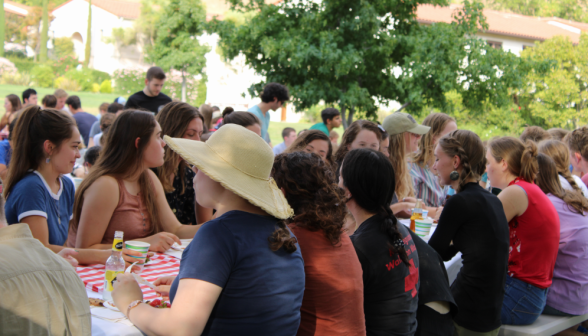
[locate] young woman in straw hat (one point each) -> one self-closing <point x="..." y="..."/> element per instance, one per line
<point x="123" y="194"/>
<point x="333" y="295"/>
<point x="243" y="273"/>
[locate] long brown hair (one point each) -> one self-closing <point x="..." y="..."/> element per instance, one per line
<point x="437" y="122"/>
<point x="468" y="146"/>
<point x="121" y="159"/>
<point x="560" y="154"/>
<point x="307" y="137"/>
<point x="397" y="150"/>
<point x="105" y="122"/>
<point x="206" y="112"/>
<point x="351" y="133"/>
<point x="244" y="119"/>
<point x="547" y="179"/>
<point x="520" y="158"/>
<point x="535" y="134"/>
<point x="174" y="119"/>
<point x="310" y="188"/>
<point x="14" y="102"/>
<point x="32" y="129"/>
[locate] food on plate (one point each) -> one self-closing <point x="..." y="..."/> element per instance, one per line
<point x="157" y="303"/>
<point x="96" y="302"/>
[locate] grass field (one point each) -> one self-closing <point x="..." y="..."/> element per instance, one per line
<point x="90" y="101"/>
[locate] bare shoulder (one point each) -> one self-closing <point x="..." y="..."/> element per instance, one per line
<point x="512" y="192"/>
<point x="103" y="186"/>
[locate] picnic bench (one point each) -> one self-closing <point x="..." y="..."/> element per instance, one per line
<point x="546" y="325"/>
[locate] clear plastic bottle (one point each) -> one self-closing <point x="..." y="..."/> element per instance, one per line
<point x="114" y="265"/>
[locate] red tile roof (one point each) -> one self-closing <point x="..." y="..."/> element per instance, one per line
<point x="508" y="24"/>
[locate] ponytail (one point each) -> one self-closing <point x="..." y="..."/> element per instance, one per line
<point x="469" y="148"/>
<point x="282" y="238"/>
<point x="560" y="154"/>
<point x="33" y="127"/>
<point x="529" y="166"/>
<point x="389" y="226"/>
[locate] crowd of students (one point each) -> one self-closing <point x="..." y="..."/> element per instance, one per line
<point x="299" y="240"/>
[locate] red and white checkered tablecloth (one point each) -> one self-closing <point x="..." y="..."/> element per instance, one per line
<point x="163" y="265"/>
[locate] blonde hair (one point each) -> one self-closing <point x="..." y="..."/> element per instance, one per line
<point x="437" y="122"/>
<point x="520" y="158"/>
<point x="560" y="154"/>
<point x="398" y="158"/>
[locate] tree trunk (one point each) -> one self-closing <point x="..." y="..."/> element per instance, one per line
<point x="2" y="27"/>
<point x="44" y="32"/>
<point x="343" y="119"/>
<point x="88" y="50"/>
<point x="404" y="105"/>
<point x="183" y="86"/>
<point x="350" y="116"/>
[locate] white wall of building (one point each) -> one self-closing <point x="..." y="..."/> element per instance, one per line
<point x="71" y="20"/>
<point x="512" y="44"/>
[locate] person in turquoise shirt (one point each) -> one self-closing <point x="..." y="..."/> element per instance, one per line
<point x="331" y="119"/>
<point x="272" y="98"/>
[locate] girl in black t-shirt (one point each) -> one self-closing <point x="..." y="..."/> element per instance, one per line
<point x="385" y="249"/>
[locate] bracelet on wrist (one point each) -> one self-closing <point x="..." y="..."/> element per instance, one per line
<point x="133" y="305"/>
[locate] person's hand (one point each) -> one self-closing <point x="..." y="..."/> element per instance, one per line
<point x="438" y="213"/>
<point x="409" y="200"/>
<point x="161" y="242"/>
<point x="125" y="290"/>
<point x="68" y="254"/>
<point x="164" y="285"/>
<point x="130" y="260"/>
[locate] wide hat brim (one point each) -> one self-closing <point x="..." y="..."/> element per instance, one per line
<point x="263" y="193"/>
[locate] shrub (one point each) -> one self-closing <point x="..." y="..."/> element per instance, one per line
<point x="87" y="77"/>
<point x="63" y="47"/>
<point x="23" y="65"/>
<point x="95" y="87"/>
<point x="43" y="75"/>
<point x="64" y="64"/>
<point x="15" y="78"/>
<point x="67" y="84"/>
<point x="128" y="82"/>
<point x="106" y="86"/>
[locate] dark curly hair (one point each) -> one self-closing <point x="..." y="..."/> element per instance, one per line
<point x="275" y="90"/>
<point x="310" y="188"/>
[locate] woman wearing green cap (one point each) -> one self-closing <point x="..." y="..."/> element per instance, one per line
<point x="243" y="273"/>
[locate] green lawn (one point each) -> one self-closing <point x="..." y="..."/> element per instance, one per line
<point x="275" y="130"/>
<point x="90" y="101"/>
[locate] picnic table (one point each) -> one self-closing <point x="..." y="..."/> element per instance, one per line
<point x="106" y="322"/>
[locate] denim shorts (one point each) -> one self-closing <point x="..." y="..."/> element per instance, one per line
<point x="523" y="302"/>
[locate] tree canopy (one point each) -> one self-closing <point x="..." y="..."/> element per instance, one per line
<point x="357" y="55"/>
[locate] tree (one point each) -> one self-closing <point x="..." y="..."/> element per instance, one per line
<point x="88" y="51"/>
<point x="575" y="10"/>
<point x="358" y="54"/>
<point x="559" y="97"/>
<point x="44" y="32"/>
<point x="177" y="46"/>
<point x="2" y="27"/>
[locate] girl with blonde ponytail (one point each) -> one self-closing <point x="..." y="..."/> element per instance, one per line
<point x="473" y="223"/>
<point x="560" y="154"/>
<point x="533" y="225"/>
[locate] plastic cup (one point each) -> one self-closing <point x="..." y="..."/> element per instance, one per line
<point x="425" y="213"/>
<point x="423" y="227"/>
<point x="141" y="247"/>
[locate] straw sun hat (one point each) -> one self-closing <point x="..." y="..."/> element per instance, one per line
<point x="241" y="161"/>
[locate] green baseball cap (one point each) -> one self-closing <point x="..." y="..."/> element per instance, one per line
<point x="400" y="122"/>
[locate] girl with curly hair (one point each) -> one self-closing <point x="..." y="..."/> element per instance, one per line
<point x="333" y="295"/>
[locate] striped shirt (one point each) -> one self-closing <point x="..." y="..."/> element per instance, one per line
<point x="426" y="185"/>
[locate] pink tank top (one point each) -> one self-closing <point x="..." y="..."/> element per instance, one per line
<point x="129" y="216"/>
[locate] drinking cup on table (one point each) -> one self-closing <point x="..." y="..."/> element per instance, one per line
<point x="425" y="214"/>
<point x="423" y="227"/>
<point x="139" y="246"/>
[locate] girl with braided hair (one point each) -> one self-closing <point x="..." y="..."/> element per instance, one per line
<point x="333" y="290"/>
<point x="560" y="154"/>
<point x="533" y="226"/>
<point x="577" y="142"/>
<point x="473" y="223"/>
<point x="385" y="249"/>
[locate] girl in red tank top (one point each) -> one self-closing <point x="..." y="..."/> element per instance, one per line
<point x="533" y="228"/>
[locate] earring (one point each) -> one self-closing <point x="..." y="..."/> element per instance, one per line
<point x="454" y="176"/>
<point x="47" y="160"/>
